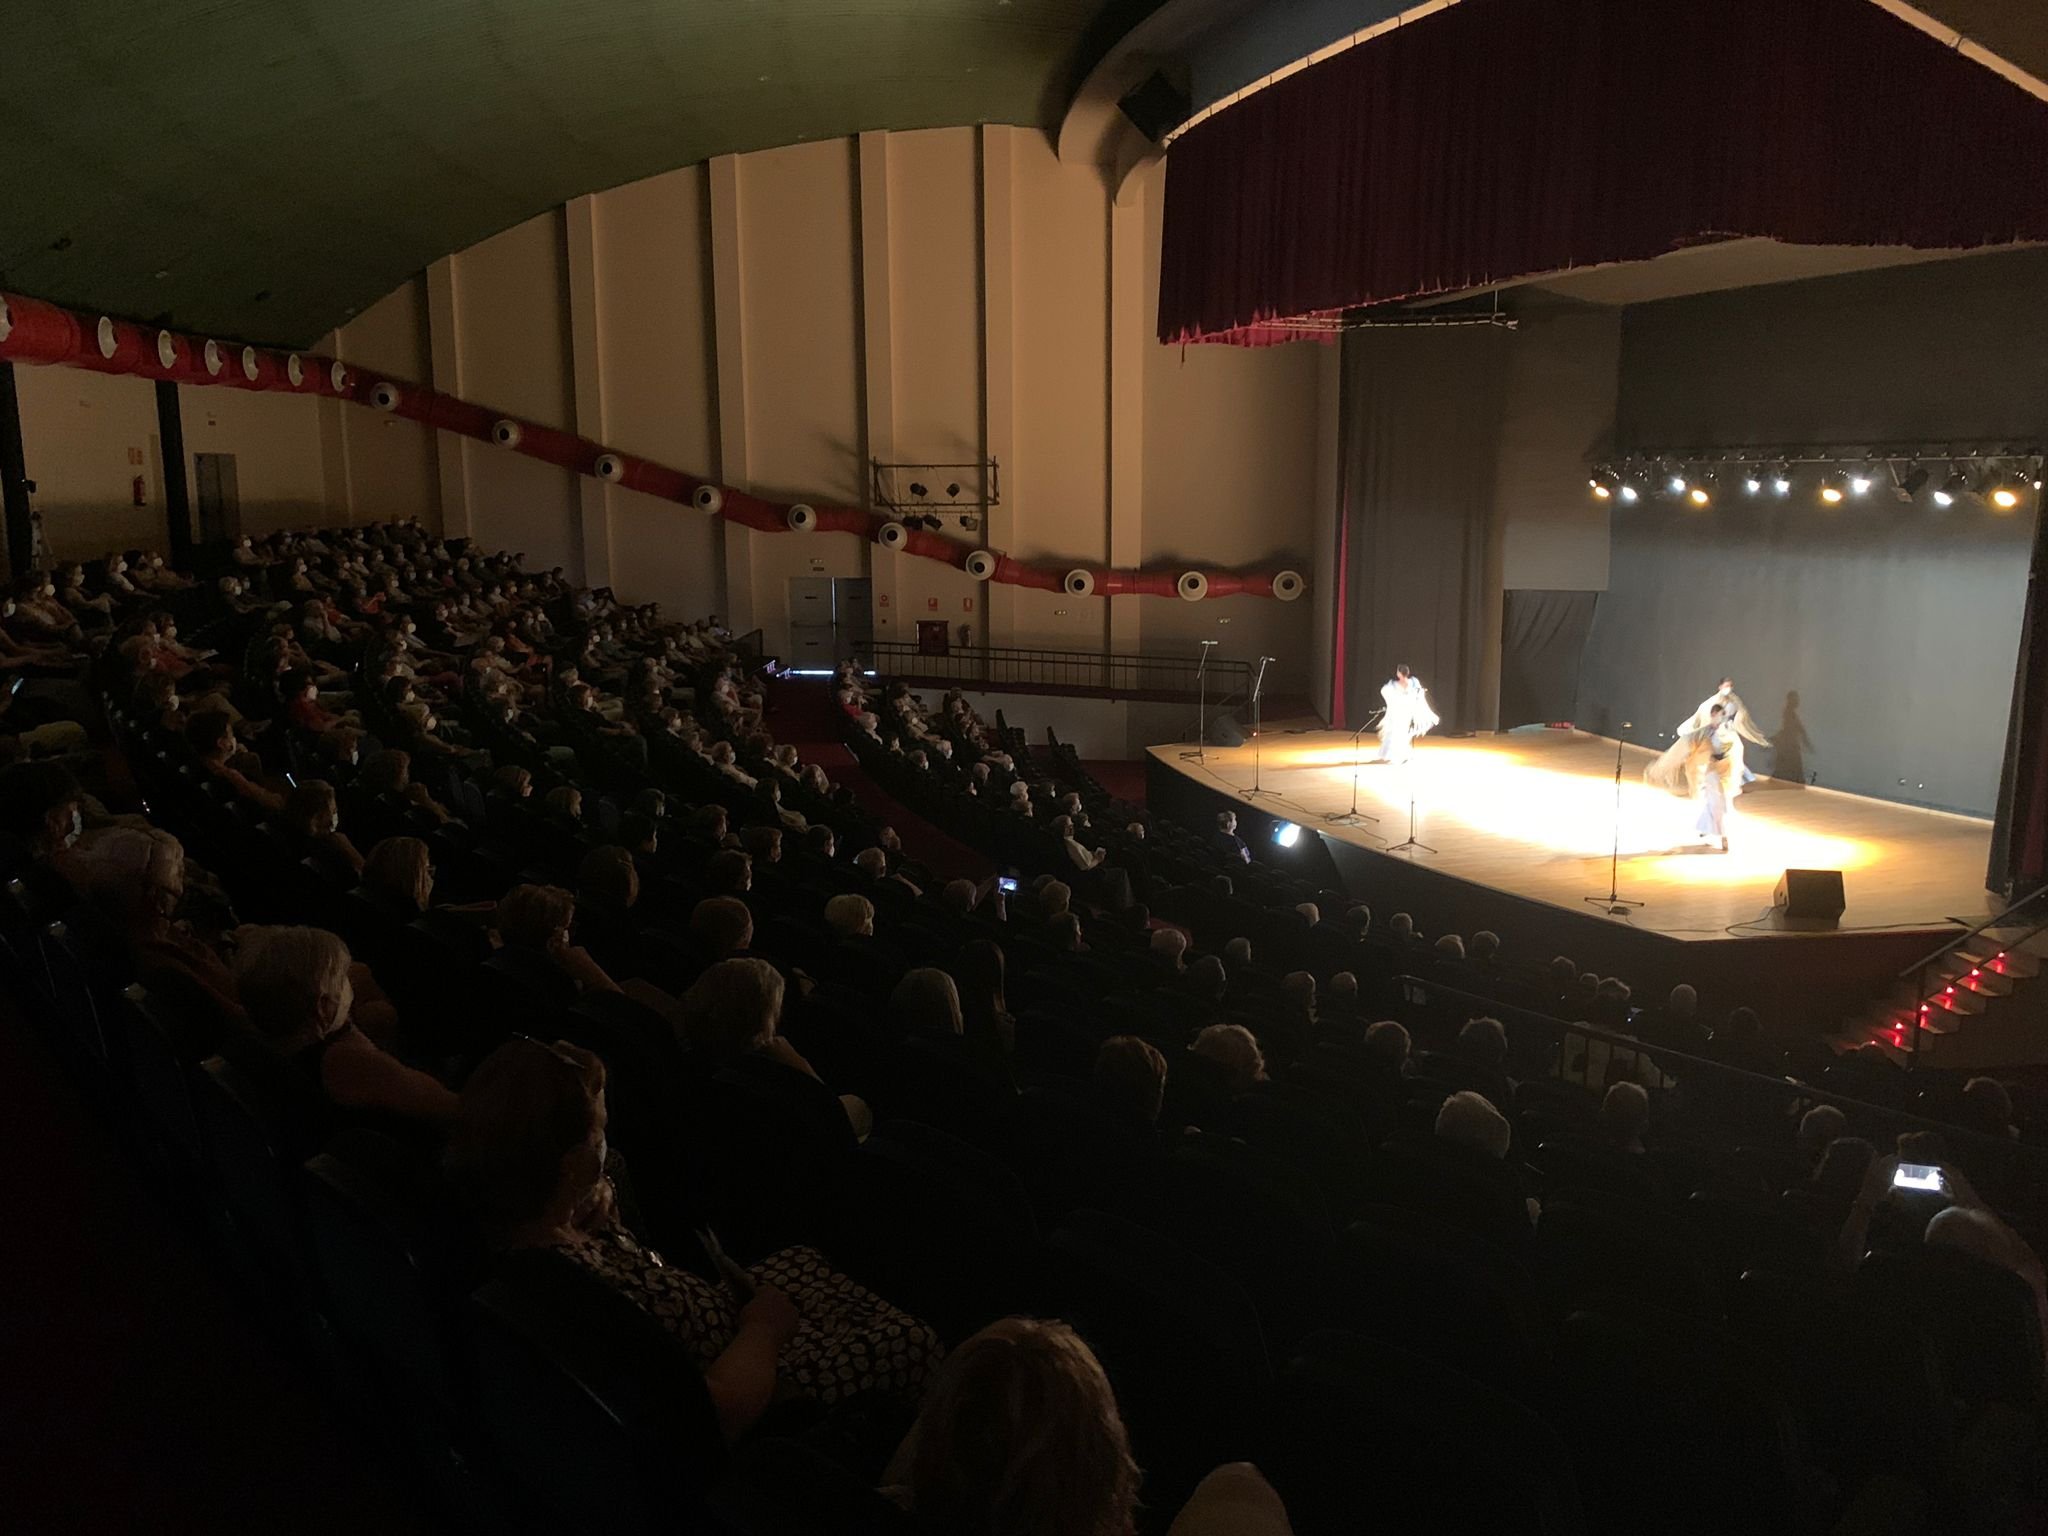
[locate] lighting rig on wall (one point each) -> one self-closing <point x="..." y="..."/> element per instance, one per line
<point x="2000" y="478"/>
<point x="933" y="495"/>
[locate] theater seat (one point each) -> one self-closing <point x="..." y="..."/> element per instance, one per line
<point x="596" y="1409"/>
<point x="1365" y="1435"/>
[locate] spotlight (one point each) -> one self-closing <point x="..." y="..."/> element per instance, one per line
<point x="1752" y="480"/>
<point x="1832" y="489"/>
<point x="1702" y="492"/>
<point x="953" y="490"/>
<point x="1912" y="482"/>
<point x="1285" y="834"/>
<point x="1629" y="493"/>
<point x="1781" y="480"/>
<point x="1859" y="481"/>
<point x="1602" y="483"/>
<point x="917" y="489"/>
<point x="1957" y="485"/>
<point x="1628" y="488"/>
<point x="2005" y="492"/>
<point x="1676" y="484"/>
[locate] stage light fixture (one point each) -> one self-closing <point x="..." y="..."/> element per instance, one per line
<point x="1677" y="483"/>
<point x="1832" y="489"/>
<point x="1860" y="481"/>
<point x="917" y="489"/>
<point x="1781" y="480"/>
<point x="1285" y="834"/>
<point x="1601" y="482"/>
<point x="1752" y="479"/>
<point x="1702" y="492"/>
<point x="1953" y="489"/>
<point x="1629" y="493"/>
<point x="1911" y="483"/>
<point x="2004" y="493"/>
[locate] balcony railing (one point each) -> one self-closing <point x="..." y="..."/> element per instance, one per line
<point x="1027" y="669"/>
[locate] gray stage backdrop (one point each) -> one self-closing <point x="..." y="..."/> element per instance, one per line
<point x="1875" y="644"/>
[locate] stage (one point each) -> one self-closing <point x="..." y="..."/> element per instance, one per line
<point x="1529" y="816"/>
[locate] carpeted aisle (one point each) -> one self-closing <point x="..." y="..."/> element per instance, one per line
<point x="801" y="714"/>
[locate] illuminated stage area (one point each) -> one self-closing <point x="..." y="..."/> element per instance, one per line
<point x="1531" y="814"/>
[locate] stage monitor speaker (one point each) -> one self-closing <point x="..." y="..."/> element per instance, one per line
<point x="1224" y="731"/>
<point x="1811" y="894"/>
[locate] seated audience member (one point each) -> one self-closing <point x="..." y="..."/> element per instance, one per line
<point x="980" y="972"/>
<point x="1624" y="1115"/>
<point x="1483" y="951"/>
<point x="850" y="916"/>
<point x="1987" y="1108"/>
<point x="729" y="872"/>
<point x="1340" y="999"/>
<point x="295" y="986"/>
<point x="1402" y="927"/>
<point x="1676" y="1025"/>
<point x="137" y="879"/>
<point x="607" y="891"/>
<point x="926" y="1004"/>
<point x="1838" y="1179"/>
<point x="735" y="1009"/>
<point x="211" y="736"/>
<point x="1065" y="934"/>
<point x="1469" y="1119"/>
<point x="311" y="823"/>
<point x="536" y="920"/>
<point x="1227" y="842"/>
<point x="529" y="1155"/>
<point x="1207" y="983"/>
<point x="720" y="928"/>
<point x="1450" y="951"/>
<point x="42" y="819"/>
<point x="388" y="776"/>
<point x="1169" y="947"/>
<point x="1129" y="1081"/>
<point x="1235" y="1048"/>
<point x="1021" y="1436"/>
<point x="1237" y="954"/>
<point x="1739" y="1043"/>
<point x="1483" y="1051"/>
<point x="1818" y="1127"/>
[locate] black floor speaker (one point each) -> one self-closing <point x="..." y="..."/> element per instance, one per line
<point x="1811" y="893"/>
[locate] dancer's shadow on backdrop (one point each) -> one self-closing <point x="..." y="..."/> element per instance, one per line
<point x="1790" y="745"/>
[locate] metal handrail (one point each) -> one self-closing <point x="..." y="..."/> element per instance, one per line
<point x="1755" y="1081"/>
<point x="1106" y="671"/>
<point x="1970" y="933"/>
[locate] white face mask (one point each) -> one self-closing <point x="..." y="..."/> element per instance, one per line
<point x="77" y="828"/>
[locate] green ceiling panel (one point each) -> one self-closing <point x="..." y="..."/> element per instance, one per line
<point x="264" y="168"/>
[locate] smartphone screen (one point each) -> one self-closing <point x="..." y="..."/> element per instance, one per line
<point x="1923" y="1176"/>
<point x="1005" y="883"/>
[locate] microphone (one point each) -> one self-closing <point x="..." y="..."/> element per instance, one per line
<point x="1207" y="643"/>
<point x="1628" y="725"/>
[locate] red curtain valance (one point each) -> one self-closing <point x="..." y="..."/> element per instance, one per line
<point x="1503" y="138"/>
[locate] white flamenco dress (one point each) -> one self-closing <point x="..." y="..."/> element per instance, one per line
<point x="1408" y="716"/>
<point x="1735" y="713"/>
<point x="1704" y="765"/>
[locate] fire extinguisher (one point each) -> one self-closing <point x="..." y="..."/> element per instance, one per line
<point x="141" y="498"/>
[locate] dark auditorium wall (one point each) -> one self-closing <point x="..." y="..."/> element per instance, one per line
<point x="1893" y="627"/>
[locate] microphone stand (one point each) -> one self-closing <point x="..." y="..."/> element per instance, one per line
<point x="1354" y="816"/>
<point x="1258" y="740"/>
<point x="1201" y="753"/>
<point x="1614" y="904"/>
<point x="1412" y="845"/>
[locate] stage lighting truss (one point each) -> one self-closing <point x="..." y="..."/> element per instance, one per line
<point x="2002" y="478"/>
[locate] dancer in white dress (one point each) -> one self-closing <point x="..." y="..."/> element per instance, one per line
<point x="1705" y="765"/>
<point x="1408" y="716"/>
<point x="1737" y="715"/>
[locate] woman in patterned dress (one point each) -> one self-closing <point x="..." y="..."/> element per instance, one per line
<point x="530" y="1153"/>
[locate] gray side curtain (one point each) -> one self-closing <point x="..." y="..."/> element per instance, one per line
<point x="1543" y="637"/>
<point x="1420" y="550"/>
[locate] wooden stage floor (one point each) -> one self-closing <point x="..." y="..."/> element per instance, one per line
<point x="1532" y="813"/>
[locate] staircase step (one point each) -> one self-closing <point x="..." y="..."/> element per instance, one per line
<point x="1991" y="957"/>
<point x="1986" y="982"/>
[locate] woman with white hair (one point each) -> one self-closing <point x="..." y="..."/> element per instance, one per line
<point x="296" y="988"/>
